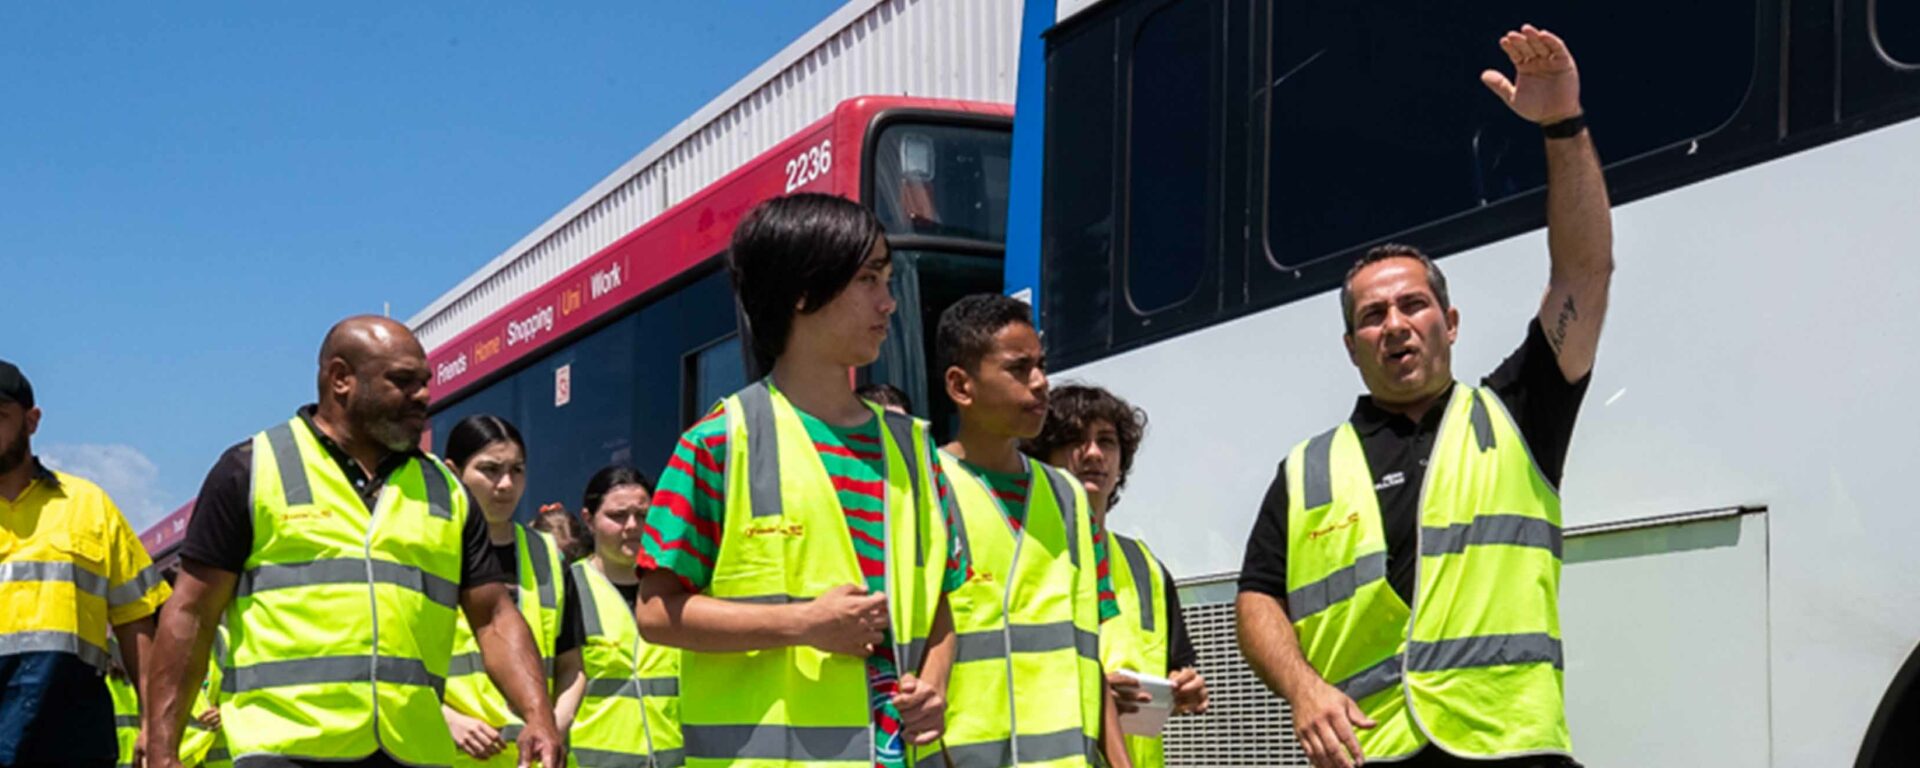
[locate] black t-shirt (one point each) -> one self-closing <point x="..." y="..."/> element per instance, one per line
<point x="1543" y="403"/>
<point x="510" y="553"/>
<point x="1180" y="653"/>
<point x="573" y="622"/>
<point x="220" y="533"/>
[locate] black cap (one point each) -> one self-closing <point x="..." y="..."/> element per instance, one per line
<point x="13" y="385"/>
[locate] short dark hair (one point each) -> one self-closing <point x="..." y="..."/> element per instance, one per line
<point x="1071" y="411"/>
<point x="884" y="394"/>
<point x="474" y="433"/>
<point x="967" y="328"/>
<point x="608" y="478"/>
<point x="1436" y="281"/>
<point x="799" y="249"/>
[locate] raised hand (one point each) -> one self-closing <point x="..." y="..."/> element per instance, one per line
<point x="1546" y="85"/>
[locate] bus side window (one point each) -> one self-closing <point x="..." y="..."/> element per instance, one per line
<point x="708" y="373"/>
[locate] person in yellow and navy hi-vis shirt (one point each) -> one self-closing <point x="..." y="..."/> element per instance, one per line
<point x="1095" y="435"/>
<point x="71" y="569"/>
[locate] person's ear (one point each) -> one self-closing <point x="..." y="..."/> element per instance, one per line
<point x="959" y="386"/>
<point x="32" y="419"/>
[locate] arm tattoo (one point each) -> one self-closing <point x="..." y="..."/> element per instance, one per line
<point x="1557" y="336"/>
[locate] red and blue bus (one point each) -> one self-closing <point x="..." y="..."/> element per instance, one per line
<point x="612" y="359"/>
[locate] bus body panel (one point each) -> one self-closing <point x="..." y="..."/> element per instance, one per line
<point x="1754" y="355"/>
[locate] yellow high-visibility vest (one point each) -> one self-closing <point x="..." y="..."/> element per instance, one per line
<point x="200" y="745"/>
<point x="126" y="716"/>
<point x="1137" y="638"/>
<point x="1474" y="665"/>
<point x="630" y="716"/>
<point x="470" y="691"/>
<point x="343" y="618"/>
<point x="1026" y="682"/>
<point x="784" y="540"/>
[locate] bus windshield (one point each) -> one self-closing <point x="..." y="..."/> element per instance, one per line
<point x="942" y="180"/>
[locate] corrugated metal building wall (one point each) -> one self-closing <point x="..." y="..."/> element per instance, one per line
<point x="959" y="49"/>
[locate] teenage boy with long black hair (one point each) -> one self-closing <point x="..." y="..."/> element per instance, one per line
<point x="797" y="548"/>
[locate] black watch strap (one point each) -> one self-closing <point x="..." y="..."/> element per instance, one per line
<point x="1565" y="129"/>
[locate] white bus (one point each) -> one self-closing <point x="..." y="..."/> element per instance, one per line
<point x="1192" y="179"/>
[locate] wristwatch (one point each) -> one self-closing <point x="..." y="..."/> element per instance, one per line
<point x="1565" y="129"/>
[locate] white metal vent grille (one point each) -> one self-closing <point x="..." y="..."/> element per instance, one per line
<point x="1245" y="724"/>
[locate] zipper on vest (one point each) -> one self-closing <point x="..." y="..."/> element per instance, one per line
<point x="1413" y="610"/>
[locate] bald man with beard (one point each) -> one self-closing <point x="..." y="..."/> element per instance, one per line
<point x="337" y="561"/>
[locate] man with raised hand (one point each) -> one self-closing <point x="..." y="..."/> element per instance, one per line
<point x="1401" y="584"/>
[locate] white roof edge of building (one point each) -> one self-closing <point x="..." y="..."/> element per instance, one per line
<point x="739" y="91"/>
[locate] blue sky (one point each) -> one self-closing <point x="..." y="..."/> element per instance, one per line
<point x="190" y="195"/>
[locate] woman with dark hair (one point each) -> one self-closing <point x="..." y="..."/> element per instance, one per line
<point x="826" y="623"/>
<point x="596" y="705"/>
<point x="1095" y="434"/>
<point x="487" y="454"/>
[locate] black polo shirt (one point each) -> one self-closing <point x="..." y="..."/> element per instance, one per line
<point x="220" y="533"/>
<point x="1529" y="383"/>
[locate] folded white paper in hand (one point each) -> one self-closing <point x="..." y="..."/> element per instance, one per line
<point x="1152" y="715"/>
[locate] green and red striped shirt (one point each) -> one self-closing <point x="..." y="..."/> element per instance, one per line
<point x="1010" y="489"/>
<point x="682" y="534"/>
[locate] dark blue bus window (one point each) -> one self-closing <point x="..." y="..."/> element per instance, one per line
<point x="942" y="180"/>
<point x="713" y="372"/>
<point x="1379" y="123"/>
<point x="1896" y="27"/>
<point x="1168" y="138"/>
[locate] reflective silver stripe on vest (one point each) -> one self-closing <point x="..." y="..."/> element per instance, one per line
<point x="542" y="568"/>
<point x="670" y="758"/>
<point x="1318" y="473"/>
<point x="439" y="497"/>
<point x="217" y="755"/>
<point x="134" y="588"/>
<point x="631" y="688"/>
<point x="1367" y="682"/>
<point x="1026" y="638"/>
<point x="1514" y="530"/>
<point x="16" y="571"/>
<point x="792" y="743"/>
<point x="1482" y="422"/>
<point x="1484" y="651"/>
<point x="330" y="670"/>
<point x="54" y="641"/>
<point x="1340" y="585"/>
<point x="589" y="610"/>
<point x="605" y="758"/>
<point x="1069" y="509"/>
<point x="293" y="472"/>
<point x="902" y="428"/>
<point x="763" y="450"/>
<point x="1142" y="578"/>
<point x="133" y="721"/>
<point x="1034" y="748"/>
<point x="510" y="732"/>
<point x="463" y="664"/>
<point x="269" y="577"/>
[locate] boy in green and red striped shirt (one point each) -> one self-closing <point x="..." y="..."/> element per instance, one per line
<point x="995" y="372"/>
<point x="811" y="273"/>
